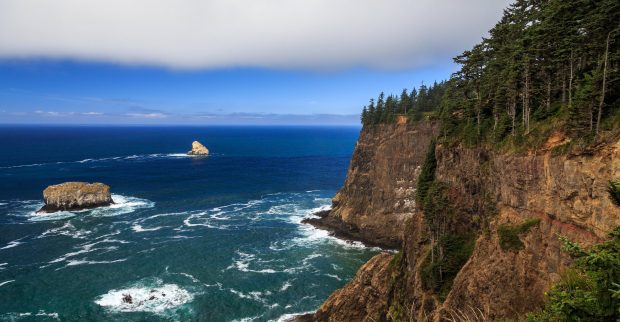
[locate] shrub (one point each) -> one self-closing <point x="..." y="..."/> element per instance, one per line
<point x="427" y="175"/>
<point x="509" y="234"/>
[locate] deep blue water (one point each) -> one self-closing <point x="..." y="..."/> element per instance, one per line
<point x="214" y="238"/>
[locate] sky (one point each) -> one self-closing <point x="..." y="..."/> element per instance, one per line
<point x="224" y="61"/>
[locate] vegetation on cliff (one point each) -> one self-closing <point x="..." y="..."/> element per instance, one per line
<point x="546" y="65"/>
<point x="590" y="289"/>
<point x="509" y="234"/>
<point x="451" y="241"/>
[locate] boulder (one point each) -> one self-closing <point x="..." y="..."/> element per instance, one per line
<point x="198" y="149"/>
<point x="76" y="196"/>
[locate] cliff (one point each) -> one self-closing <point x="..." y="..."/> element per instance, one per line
<point x="513" y="205"/>
<point x="379" y="193"/>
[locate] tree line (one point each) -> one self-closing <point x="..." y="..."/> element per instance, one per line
<point x="545" y="62"/>
<point x="410" y="103"/>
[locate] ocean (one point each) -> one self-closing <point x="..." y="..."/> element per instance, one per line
<point x="216" y="238"/>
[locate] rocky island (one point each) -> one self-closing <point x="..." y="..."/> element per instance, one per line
<point x="75" y="196"/>
<point x="198" y="149"/>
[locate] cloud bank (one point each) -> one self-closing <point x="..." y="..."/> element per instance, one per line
<point x="283" y="34"/>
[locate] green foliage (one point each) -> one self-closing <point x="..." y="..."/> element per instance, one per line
<point x="509" y="234"/>
<point x="396" y="259"/>
<point x="589" y="290"/>
<point x="546" y="66"/>
<point x="614" y="192"/>
<point x="427" y="174"/>
<point x="412" y="105"/>
<point x="438" y="274"/>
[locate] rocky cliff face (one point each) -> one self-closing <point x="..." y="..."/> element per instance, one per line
<point x="566" y="194"/>
<point x="378" y="195"/>
<point x="75" y="196"/>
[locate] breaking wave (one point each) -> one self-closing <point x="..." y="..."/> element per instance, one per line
<point x="134" y="157"/>
<point x="122" y="205"/>
<point x="155" y="297"/>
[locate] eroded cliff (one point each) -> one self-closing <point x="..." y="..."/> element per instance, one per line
<point x="536" y="195"/>
<point x="379" y="193"/>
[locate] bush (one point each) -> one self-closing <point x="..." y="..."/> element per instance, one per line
<point x="588" y="291"/>
<point x="509" y="234"/>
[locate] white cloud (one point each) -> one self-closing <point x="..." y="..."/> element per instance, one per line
<point x="307" y="34"/>
<point x="147" y="115"/>
<point x="54" y="113"/>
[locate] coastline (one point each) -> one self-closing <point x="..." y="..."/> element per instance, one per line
<point x="338" y="230"/>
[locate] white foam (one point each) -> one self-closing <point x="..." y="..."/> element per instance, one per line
<point x="254" y="295"/>
<point x="285" y="286"/>
<point x="138" y="228"/>
<point x="59" y="215"/>
<point x="291" y="316"/>
<point x="122" y="205"/>
<point x="156" y="299"/>
<point x="6" y="282"/>
<point x="248" y="319"/>
<point x="199" y="220"/>
<point x="91" y="160"/>
<point x="13" y="316"/>
<point x="12" y="244"/>
<point x="243" y="264"/>
<point x="334" y="276"/>
<point x="87" y="262"/>
<point x="313" y="235"/>
<point x="87" y="248"/>
<point x="53" y="315"/>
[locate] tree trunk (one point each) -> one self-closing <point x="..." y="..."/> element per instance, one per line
<point x="570" y="82"/>
<point x="602" y="100"/>
<point x="479" y="108"/>
<point x="526" y="99"/>
<point x="563" y="85"/>
<point x="548" y="106"/>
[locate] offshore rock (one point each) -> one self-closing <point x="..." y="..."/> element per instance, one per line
<point x="198" y="149"/>
<point x="76" y="196"/>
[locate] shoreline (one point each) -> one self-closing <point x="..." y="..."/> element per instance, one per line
<point x="340" y="232"/>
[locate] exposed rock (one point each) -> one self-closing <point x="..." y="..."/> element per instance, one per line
<point x="378" y="195"/>
<point x="198" y="149"/>
<point x="76" y="196"/>
<point x="362" y="299"/>
<point x="565" y="191"/>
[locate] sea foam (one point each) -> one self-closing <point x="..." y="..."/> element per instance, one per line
<point x="144" y="298"/>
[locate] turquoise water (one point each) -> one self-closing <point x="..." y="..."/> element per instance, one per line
<point x="214" y="238"/>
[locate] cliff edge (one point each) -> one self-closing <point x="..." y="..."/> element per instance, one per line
<point x="510" y="207"/>
<point x="378" y="195"/>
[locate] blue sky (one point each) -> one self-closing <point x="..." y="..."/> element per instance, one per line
<point x="223" y="62"/>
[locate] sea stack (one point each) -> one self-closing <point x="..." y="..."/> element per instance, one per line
<point x="198" y="149"/>
<point x="76" y="196"/>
